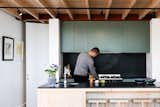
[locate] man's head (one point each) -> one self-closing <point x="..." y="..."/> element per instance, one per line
<point x="94" y="52"/>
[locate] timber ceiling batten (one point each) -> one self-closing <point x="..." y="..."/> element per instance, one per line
<point x="42" y="3"/>
<point x="158" y="14"/>
<point x="126" y="12"/>
<point x="151" y="4"/>
<point x="12" y="13"/>
<point x="67" y="10"/>
<point x="108" y="5"/>
<point x="88" y="11"/>
<point x="81" y="10"/>
<point x="36" y="16"/>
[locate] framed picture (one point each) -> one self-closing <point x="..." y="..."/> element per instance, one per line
<point x="7" y="48"/>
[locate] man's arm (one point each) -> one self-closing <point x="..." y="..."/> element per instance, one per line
<point x="92" y="69"/>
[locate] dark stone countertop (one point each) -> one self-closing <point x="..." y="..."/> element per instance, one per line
<point x="122" y="84"/>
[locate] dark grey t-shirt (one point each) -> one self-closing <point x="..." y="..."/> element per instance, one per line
<point x="85" y="66"/>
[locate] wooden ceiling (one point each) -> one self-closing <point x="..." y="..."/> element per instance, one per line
<point x="42" y="10"/>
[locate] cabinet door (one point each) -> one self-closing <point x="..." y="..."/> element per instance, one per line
<point x="67" y="37"/>
<point x="136" y="37"/>
<point x="66" y="98"/>
<point x="80" y="40"/>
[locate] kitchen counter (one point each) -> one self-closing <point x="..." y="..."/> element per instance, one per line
<point x="83" y="94"/>
<point x="126" y="83"/>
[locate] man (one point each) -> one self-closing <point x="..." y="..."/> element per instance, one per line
<point x="85" y="66"/>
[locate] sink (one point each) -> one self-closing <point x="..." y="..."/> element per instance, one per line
<point x="69" y="80"/>
<point x="74" y="83"/>
<point x="69" y="84"/>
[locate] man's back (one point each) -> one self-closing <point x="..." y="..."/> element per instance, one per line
<point x="82" y="64"/>
<point x="85" y="66"/>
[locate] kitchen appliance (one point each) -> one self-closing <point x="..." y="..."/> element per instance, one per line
<point x="110" y="77"/>
<point x="140" y="81"/>
<point x="147" y="81"/>
<point x="150" y="81"/>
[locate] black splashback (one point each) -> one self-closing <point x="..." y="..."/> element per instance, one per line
<point x="129" y="65"/>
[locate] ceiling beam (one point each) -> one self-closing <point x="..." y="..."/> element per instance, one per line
<point x="88" y="11"/>
<point x="26" y="10"/>
<point x="158" y="14"/>
<point x="42" y="3"/>
<point x="12" y="13"/>
<point x="126" y="12"/>
<point x="151" y="4"/>
<point x="108" y="5"/>
<point x="67" y="10"/>
<point x="82" y="17"/>
<point x="35" y="20"/>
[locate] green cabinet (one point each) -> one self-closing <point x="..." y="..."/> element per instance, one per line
<point x="136" y="37"/>
<point x="67" y="39"/>
<point x="80" y="36"/>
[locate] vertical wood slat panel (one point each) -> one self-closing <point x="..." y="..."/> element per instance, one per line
<point x="108" y="36"/>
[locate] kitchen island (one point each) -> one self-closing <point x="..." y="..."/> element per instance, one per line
<point x="115" y="94"/>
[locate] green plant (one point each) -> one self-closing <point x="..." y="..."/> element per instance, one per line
<point x="51" y="70"/>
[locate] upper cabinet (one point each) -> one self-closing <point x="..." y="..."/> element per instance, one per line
<point x="125" y="36"/>
<point x="136" y="37"/>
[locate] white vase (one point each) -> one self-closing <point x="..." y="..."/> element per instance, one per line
<point x="52" y="81"/>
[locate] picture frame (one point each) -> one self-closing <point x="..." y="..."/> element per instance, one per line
<point x="7" y="48"/>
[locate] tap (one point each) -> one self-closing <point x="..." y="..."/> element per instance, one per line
<point x="67" y="71"/>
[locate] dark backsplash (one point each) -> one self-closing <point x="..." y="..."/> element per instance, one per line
<point x="129" y="65"/>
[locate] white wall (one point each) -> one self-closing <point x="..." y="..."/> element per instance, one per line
<point x="153" y="58"/>
<point x="54" y="45"/>
<point x="11" y="72"/>
<point x="37" y="58"/>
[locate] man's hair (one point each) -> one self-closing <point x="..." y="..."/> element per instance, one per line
<point x="95" y="49"/>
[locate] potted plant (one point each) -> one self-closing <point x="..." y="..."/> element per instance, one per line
<point x="51" y="71"/>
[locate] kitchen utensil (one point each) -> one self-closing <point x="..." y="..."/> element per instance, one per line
<point x="140" y="81"/>
<point x="150" y="81"/>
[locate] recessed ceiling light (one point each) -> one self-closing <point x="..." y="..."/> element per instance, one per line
<point x="19" y="12"/>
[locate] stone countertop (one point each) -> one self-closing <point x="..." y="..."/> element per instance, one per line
<point x="126" y="83"/>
